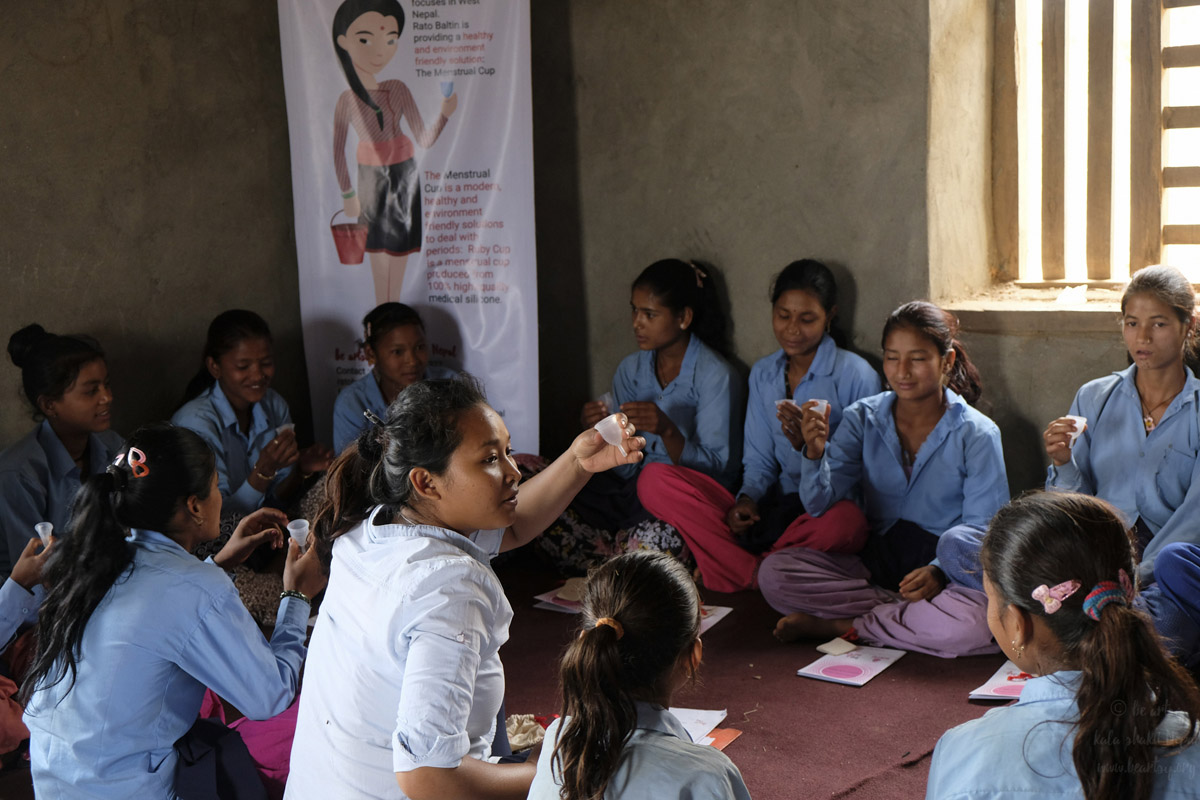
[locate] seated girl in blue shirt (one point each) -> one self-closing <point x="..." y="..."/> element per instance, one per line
<point x="1139" y="449"/>
<point x="1108" y="715"/>
<point x="728" y="536"/>
<point x="681" y="394"/>
<point x="135" y="627"/>
<point x="231" y="405"/>
<point x="65" y="379"/>
<point x="930" y="473"/>
<point x="638" y="643"/>
<point x="394" y="343"/>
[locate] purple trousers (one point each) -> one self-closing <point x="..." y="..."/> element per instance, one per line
<point x="838" y="586"/>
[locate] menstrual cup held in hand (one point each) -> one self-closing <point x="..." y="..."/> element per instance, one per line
<point x="613" y="431"/>
<point x="298" y="530"/>
<point x="44" y="529"/>
<point x="1080" y="427"/>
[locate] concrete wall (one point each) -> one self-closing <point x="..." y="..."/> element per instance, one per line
<point x="147" y="188"/>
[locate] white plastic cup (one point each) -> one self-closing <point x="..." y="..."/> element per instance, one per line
<point x="610" y="402"/>
<point x="447" y="88"/>
<point x="787" y="401"/>
<point x="44" y="529"/>
<point x="298" y="530"/>
<point x="1080" y="427"/>
<point x="613" y="431"/>
<point x="820" y="406"/>
<point x="287" y="426"/>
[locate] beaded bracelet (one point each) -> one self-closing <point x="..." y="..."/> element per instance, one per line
<point x="295" y="594"/>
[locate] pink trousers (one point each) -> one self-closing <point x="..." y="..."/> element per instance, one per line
<point x="838" y="586"/>
<point x="269" y="740"/>
<point x="697" y="506"/>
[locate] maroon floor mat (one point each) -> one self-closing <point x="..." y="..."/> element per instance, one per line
<point x="802" y="738"/>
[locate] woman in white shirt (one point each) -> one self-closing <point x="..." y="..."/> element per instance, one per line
<point x="403" y="679"/>
<point x="639" y="641"/>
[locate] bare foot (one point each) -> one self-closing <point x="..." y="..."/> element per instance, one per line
<point x="806" y="626"/>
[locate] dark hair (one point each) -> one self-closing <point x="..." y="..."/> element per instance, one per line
<point x="386" y="316"/>
<point x="809" y="275"/>
<point x="94" y="554"/>
<point x="687" y="284"/>
<point x="227" y="330"/>
<point x="1171" y="287"/>
<point x="346" y="14"/>
<point x="1047" y="538"/>
<point x="605" y="670"/>
<point x="421" y="430"/>
<point x="49" y="363"/>
<point x="941" y="328"/>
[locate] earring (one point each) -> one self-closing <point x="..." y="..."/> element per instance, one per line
<point x="1020" y="650"/>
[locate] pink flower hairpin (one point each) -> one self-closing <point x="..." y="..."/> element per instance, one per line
<point x="1051" y="597"/>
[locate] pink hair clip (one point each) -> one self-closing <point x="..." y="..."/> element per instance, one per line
<point x="1051" y="597"/>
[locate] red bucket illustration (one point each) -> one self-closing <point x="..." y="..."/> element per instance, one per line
<point x="350" y="239"/>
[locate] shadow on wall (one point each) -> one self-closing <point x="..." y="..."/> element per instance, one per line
<point x="563" y="360"/>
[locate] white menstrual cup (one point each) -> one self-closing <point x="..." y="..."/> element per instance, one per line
<point x="44" y="529"/>
<point x="821" y="406"/>
<point x="610" y="402"/>
<point x="298" y="530"/>
<point x="785" y="402"/>
<point x="287" y="426"/>
<point x="613" y="432"/>
<point x="1080" y="425"/>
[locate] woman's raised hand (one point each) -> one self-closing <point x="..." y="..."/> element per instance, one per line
<point x="1058" y="439"/>
<point x="596" y="455"/>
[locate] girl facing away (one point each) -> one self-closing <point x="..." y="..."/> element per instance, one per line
<point x="135" y="627"/>
<point x="638" y="642"/>
<point x="729" y="536"/>
<point x="1139" y="448"/>
<point x="394" y="343"/>
<point x="1109" y="715"/>
<point x="231" y="405"/>
<point x="404" y="680"/>
<point x="366" y="35"/>
<point x="930" y="473"/>
<point x="680" y="394"/>
<point x="65" y="380"/>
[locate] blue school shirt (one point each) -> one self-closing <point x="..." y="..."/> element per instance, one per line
<point x="210" y="415"/>
<point x="659" y="760"/>
<point x="958" y="476"/>
<point x="38" y="482"/>
<point x="1024" y="750"/>
<point x="18" y="606"/>
<point x="363" y="395"/>
<point x="169" y="627"/>
<point x="404" y="670"/>
<point x="836" y="375"/>
<point x="1153" y="477"/>
<point x="704" y="401"/>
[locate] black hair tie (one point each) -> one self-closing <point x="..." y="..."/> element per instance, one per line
<point x="120" y="479"/>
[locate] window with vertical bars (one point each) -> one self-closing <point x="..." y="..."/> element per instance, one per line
<point x="1107" y="124"/>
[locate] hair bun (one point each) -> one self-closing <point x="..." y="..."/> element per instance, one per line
<point x="118" y="477"/>
<point x="23" y="343"/>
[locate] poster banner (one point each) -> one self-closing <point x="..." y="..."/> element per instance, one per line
<point x="412" y="179"/>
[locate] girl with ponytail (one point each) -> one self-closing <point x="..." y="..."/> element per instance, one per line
<point x="681" y="394"/>
<point x="1108" y="712"/>
<point x="134" y="627"/>
<point x="638" y="643"/>
<point x="929" y="471"/>
<point x="404" y="680"/>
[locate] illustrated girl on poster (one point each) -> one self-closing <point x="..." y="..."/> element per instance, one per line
<point x="366" y="34"/>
